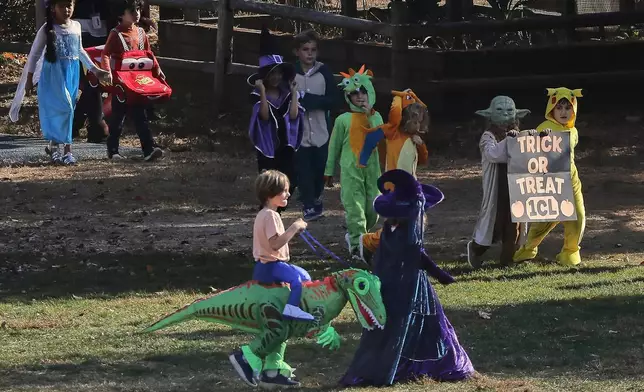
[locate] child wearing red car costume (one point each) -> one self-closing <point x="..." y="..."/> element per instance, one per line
<point x="126" y="34"/>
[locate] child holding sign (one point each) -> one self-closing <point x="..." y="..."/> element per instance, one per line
<point x="495" y="222"/>
<point x="561" y="113"/>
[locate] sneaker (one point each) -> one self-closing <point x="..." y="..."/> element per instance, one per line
<point x="364" y="253"/>
<point x="68" y="159"/>
<point x="56" y="157"/>
<point x="294" y="312"/>
<point x="242" y="367"/>
<point x="116" y="156"/>
<point x="311" y="214"/>
<point x="357" y="260"/>
<point x="347" y="239"/>
<point x="472" y="258"/>
<point x="318" y="206"/>
<point x="156" y="153"/>
<point x="278" y="381"/>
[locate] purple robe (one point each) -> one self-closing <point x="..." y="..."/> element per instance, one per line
<point x="418" y="339"/>
<point x="280" y="130"/>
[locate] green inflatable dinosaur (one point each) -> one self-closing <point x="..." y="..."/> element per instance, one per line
<point x="257" y="309"/>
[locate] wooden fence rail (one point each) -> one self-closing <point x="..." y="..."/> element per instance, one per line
<point x="399" y="32"/>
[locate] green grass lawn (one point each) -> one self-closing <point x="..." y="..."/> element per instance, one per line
<point x="550" y="328"/>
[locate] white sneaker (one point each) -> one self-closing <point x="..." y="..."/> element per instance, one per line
<point x="296" y="313"/>
<point x="474" y="261"/>
<point x="347" y="238"/>
<point x="117" y="157"/>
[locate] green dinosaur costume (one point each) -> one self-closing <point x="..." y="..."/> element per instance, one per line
<point x="257" y="309"/>
<point x="359" y="184"/>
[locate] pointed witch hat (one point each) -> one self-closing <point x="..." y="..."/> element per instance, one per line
<point x="269" y="60"/>
<point x="402" y="194"/>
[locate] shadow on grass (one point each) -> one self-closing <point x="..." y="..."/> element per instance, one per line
<point x="584" y="339"/>
<point x="592" y="285"/>
<point x="108" y="275"/>
<point x="601" y="337"/>
<point x="197" y="370"/>
<point x="507" y="273"/>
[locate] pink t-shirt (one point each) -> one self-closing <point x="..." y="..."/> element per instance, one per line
<point x="268" y="223"/>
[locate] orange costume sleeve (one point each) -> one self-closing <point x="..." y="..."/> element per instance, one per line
<point x="423" y="154"/>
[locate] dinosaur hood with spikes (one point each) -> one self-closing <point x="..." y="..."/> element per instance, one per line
<point x="354" y="81"/>
<point x="240" y="307"/>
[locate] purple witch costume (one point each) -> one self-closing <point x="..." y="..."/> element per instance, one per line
<point x="418" y="339"/>
<point x="276" y="139"/>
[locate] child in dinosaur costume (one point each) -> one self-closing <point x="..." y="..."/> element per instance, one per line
<point x="359" y="184"/>
<point x="255" y="308"/>
<point x="408" y="118"/>
<point x="561" y="113"/>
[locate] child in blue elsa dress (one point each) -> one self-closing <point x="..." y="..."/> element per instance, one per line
<point x="60" y="39"/>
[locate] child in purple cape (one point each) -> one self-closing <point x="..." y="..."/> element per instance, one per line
<point x="275" y="125"/>
<point x="418" y="340"/>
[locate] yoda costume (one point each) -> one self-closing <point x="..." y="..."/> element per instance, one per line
<point x="494" y="222"/>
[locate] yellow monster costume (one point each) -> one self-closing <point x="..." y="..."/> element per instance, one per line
<point x="573" y="230"/>
<point x="408" y="117"/>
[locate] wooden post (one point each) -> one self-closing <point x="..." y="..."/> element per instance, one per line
<point x="626" y="5"/>
<point x="191" y="15"/>
<point x="570" y="8"/>
<point x="399" y="45"/>
<point x="223" y="56"/>
<point x="40" y="13"/>
<point x="349" y="8"/>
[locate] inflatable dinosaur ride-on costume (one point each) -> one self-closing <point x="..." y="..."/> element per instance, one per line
<point x="257" y="309"/>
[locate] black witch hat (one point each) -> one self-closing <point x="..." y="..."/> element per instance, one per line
<point x="270" y="60"/>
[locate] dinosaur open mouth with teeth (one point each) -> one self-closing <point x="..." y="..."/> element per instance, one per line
<point x="367" y="314"/>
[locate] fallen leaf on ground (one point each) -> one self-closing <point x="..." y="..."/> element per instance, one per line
<point x="485" y="315"/>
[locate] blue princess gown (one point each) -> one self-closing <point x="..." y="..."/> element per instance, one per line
<point x="418" y="339"/>
<point x="57" y="82"/>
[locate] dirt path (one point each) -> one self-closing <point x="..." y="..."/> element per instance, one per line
<point x="194" y="208"/>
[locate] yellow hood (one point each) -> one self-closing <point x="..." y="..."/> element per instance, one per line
<point x="557" y="94"/>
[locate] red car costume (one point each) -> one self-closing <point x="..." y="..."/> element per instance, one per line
<point x="133" y="75"/>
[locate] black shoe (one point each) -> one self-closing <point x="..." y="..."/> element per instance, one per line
<point x="242" y="367"/>
<point x="277" y="382"/>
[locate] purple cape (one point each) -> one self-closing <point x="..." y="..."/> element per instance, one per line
<point x="279" y="130"/>
<point x="418" y="339"/>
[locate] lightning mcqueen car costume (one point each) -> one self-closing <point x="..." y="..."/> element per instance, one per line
<point x="132" y="76"/>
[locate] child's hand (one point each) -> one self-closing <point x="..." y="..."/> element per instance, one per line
<point x="545" y="132"/>
<point x="293" y="86"/>
<point x="328" y="181"/>
<point x="366" y="107"/>
<point x="299" y="225"/>
<point x="512" y="133"/>
<point x="259" y="84"/>
<point x="103" y="76"/>
<point x="29" y="85"/>
<point x="532" y="132"/>
<point x="417" y="140"/>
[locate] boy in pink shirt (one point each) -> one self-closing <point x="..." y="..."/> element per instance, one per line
<point x="270" y="241"/>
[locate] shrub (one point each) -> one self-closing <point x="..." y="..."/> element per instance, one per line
<point x="17" y="20"/>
